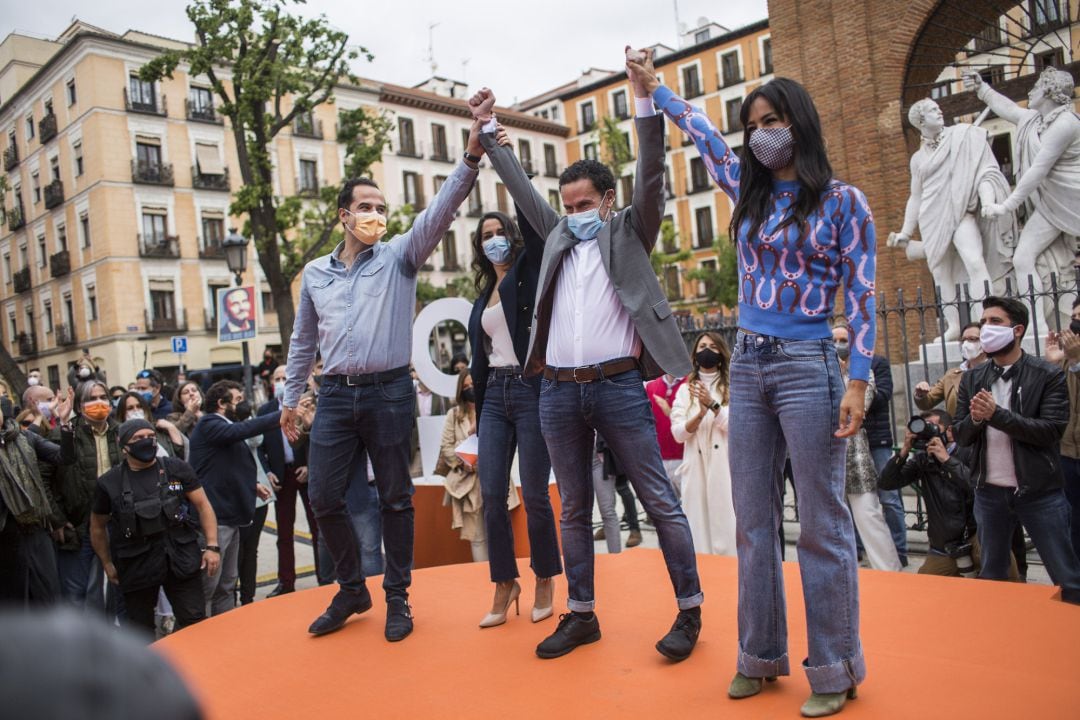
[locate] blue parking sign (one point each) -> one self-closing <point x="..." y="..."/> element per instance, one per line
<point x="179" y="344"/>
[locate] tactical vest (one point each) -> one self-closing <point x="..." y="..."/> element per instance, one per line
<point x="140" y="520"/>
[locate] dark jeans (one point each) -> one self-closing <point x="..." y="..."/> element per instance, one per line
<point x="185" y="595"/>
<point x="28" y="574"/>
<point x="285" y="517"/>
<point x="1045" y="516"/>
<point x="511" y="417"/>
<point x="376" y="418"/>
<point x="248" y="560"/>
<point x="1071" y="466"/>
<point x="618" y="409"/>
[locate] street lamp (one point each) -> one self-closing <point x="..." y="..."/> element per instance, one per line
<point x="235" y="246"/>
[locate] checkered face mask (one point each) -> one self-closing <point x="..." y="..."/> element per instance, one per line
<point x="774" y="147"/>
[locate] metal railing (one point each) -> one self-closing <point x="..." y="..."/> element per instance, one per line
<point x="60" y="263"/>
<point x="47" y="128"/>
<point x="11" y="156"/>
<point x="151" y="107"/>
<point x="65" y="334"/>
<point x="149" y="173"/>
<point x="203" y="181"/>
<point x="213" y="250"/>
<point x="166" y="324"/>
<point x="167" y="246"/>
<point x="309" y="128"/>
<point x="27" y="344"/>
<point x="54" y="194"/>
<point x="16" y="218"/>
<point x="202" y="113"/>
<point x="21" y="279"/>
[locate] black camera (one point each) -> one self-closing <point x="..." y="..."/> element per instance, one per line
<point x="924" y="431"/>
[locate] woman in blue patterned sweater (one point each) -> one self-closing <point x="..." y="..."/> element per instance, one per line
<point x="801" y="236"/>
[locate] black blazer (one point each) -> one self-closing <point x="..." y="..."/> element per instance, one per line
<point x="272" y="451"/>
<point x="517" y="293"/>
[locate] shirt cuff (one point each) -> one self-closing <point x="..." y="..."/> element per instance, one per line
<point x="643" y="107"/>
<point x="1075" y="367"/>
<point x="490" y="125"/>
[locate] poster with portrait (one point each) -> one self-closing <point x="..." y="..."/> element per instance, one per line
<point x="236" y="314"/>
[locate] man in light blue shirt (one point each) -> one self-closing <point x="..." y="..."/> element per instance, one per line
<point x="356" y="308"/>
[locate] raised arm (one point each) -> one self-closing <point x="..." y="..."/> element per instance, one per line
<point x="528" y="199"/>
<point x="432" y="223"/>
<point x="1002" y="106"/>
<point x="218" y="432"/>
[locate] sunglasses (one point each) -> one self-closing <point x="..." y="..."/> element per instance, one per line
<point x="27" y="423"/>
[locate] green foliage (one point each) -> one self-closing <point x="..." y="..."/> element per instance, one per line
<point x="614" y="149"/>
<point x="426" y="292"/>
<point x="723" y="282"/>
<point x="463" y="287"/>
<point x="660" y="259"/>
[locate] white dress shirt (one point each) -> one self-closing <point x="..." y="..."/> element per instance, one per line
<point x="1000" y="468"/>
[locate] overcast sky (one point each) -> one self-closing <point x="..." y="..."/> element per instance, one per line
<point x="519" y="50"/>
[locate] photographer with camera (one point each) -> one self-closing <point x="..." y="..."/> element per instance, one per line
<point x="931" y="458"/>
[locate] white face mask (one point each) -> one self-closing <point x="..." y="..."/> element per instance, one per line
<point x="32" y="381"/>
<point x="970" y="349"/>
<point x="279" y="389"/>
<point x="136" y="415"/>
<point x="995" y="337"/>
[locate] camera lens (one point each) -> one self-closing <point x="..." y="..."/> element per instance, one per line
<point x="916" y="425"/>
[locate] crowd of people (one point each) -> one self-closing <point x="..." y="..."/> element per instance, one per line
<point x="576" y="366"/>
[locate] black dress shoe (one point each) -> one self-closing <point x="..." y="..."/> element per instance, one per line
<point x="681" y="639"/>
<point x="341" y="607"/>
<point x="398" y="619"/>
<point x="573" y="630"/>
<point x="280" y="589"/>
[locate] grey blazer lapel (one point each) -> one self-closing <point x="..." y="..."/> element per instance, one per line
<point x="558" y="242"/>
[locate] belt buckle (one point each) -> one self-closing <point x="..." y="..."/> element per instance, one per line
<point x="575" y="371"/>
<point x="349" y="381"/>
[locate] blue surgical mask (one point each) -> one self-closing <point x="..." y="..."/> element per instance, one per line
<point x="586" y="225"/>
<point x="147" y="396"/>
<point x="497" y="249"/>
<point x="279" y="390"/>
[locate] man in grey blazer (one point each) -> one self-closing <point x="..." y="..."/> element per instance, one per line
<point x="601" y="326"/>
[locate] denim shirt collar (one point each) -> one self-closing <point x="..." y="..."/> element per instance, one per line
<point x="335" y="255"/>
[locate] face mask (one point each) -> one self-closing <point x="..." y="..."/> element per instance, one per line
<point x="96" y="410"/>
<point x="468" y="395"/>
<point x="83" y="373"/>
<point x="586" y="225"/>
<point x="774" y="147"/>
<point x="497" y="249"/>
<point x="44" y="410"/>
<point x="148" y="396"/>
<point x="136" y="415"/>
<point x="996" y="338"/>
<point x="369" y="227"/>
<point x="707" y="358"/>
<point x="143" y="450"/>
<point x="843" y="350"/>
<point x="970" y="349"/>
<point x="279" y="390"/>
<point x="32" y="381"/>
<point x="1074" y="326"/>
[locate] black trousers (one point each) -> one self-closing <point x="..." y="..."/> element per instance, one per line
<point x="248" y="557"/>
<point x="28" y="571"/>
<point x="186" y="596"/>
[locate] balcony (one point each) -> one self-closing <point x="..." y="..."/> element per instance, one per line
<point x="527" y="166"/>
<point x="202" y="113"/>
<point x="54" y="194"/>
<point x="308" y="128"/>
<point x="442" y="154"/>
<point x="211" y="251"/>
<point x="148" y="173"/>
<point x="411" y="149"/>
<point x="16" y="219"/>
<point x="21" y="280"/>
<point x="65" y="334"/>
<point x="204" y="181"/>
<point x="167" y="246"/>
<point x="165" y="324"/>
<point x="731" y="78"/>
<point x="27" y="344"/>
<point x="47" y="128"/>
<point x="146" y="107"/>
<point x="60" y="263"/>
<point x="308" y="187"/>
<point x="11" y="157"/>
<point x="551" y="170"/>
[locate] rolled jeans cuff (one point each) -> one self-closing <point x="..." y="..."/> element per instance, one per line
<point x="691" y="602"/>
<point x="580" y="606"/>
<point x="837" y="677"/>
<point x="755" y="667"/>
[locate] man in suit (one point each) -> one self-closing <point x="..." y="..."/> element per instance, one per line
<point x="602" y="325"/>
<point x="289" y="467"/>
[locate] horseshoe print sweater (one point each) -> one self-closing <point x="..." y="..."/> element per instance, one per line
<point x="788" y="278"/>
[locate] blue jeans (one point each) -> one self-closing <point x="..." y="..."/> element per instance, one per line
<point x="618" y="408"/>
<point x="1071" y="467"/>
<point x="785" y="398"/>
<point x="350" y="420"/>
<point x="511" y="416"/>
<point x="1045" y="516"/>
<point x="892" y="504"/>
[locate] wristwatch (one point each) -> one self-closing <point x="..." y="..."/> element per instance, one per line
<point x="715" y="406"/>
<point x="213" y="548"/>
<point x="473" y="158"/>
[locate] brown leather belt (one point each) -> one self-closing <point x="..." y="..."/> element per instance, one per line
<point x="591" y="373"/>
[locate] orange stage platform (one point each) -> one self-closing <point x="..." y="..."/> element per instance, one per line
<point x="935" y="647"/>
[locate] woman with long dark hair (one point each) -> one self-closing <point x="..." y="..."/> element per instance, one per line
<point x="801" y="236"/>
<point x="506" y="264"/>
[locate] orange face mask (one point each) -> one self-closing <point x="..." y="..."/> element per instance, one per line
<point x="96" y="410"/>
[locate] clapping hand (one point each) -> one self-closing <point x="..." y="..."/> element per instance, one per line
<point x="61" y="405"/>
<point x="699" y="392"/>
<point x="983" y="406"/>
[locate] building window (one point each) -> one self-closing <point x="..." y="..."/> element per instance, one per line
<point x="701" y="36"/>
<point x="729" y="64"/>
<point x="732" y="108"/>
<point x="43" y="253"/>
<point x="1045" y="15"/>
<point x="76" y="150"/>
<point x="35" y="188"/>
<point x="1051" y="58"/>
<point x="211" y="308"/>
<point x="502" y="200"/>
<point x="626" y="187"/>
<point x="766" y="56"/>
<point x="200" y="103"/>
<point x="267" y="302"/>
<point x="148" y="156"/>
<point x="153" y="228"/>
<point x="618" y="100"/>
<point x="84" y="227"/>
<point x="555" y="112"/>
<point x="670" y="241"/>
<point x="551" y="166"/>
<point x="437" y="182"/>
<point x="704" y="226"/>
<point x="669" y="187"/>
<point x="309" y="176"/>
<point x="705" y="287"/>
<point x="449" y="252"/>
<point x="7" y="267"/>
<point x="91" y="302"/>
<point x="46" y="316"/>
<point x="671" y="282"/>
<point x="414" y="194"/>
<point x="54" y="167"/>
<point x="161" y="303"/>
<point x="591" y="152"/>
<point x="24" y="259"/>
<point x="588" y="117"/>
<point x="141" y="93"/>
<point x="69" y="312"/>
<point x="29" y="127"/>
<point x="439" y="150"/>
<point x="13" y="326"/>
<point x="994" y="75"/>
<point x="213" y="232"/>
<point x="406" y="139"/>
<point x="691" y="82"/>
<point x="525" y="155"/>
<point x="465" y="138"/>
<point x="61" y="238"/>
<point x="699" y="178"/>
<point x="555" y="200"/>
<point x="476" y="203"/>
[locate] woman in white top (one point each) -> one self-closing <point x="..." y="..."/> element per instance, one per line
<point x="699" y="420"/>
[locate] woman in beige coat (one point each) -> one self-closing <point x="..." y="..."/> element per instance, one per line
<point x="699" y="420"/>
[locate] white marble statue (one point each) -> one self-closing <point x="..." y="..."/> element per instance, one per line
<point x="952" y="174"/>
<point x="1048" y="178"/>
